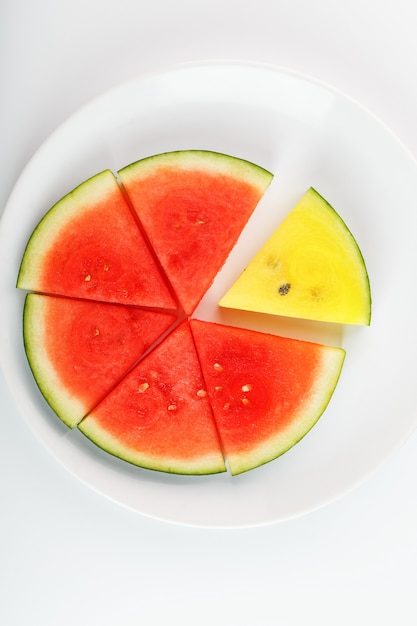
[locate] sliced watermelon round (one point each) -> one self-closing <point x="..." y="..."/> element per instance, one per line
<point x="159" y="417"/>
<point x="78" y="350"/>
<point x="89" y="245"/>
<point x="266" y="392"/>
<point x="193" y="206"/>
<point x="119" y="272"/>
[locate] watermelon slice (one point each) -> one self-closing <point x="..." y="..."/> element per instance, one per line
<point x="159" y="416"/>
<point x="311" y="267"/>
<point x="193" y="206"/>
<point x="266" y="391"/>
<point x="78" y="350"/>
<point x="89" y="246"/>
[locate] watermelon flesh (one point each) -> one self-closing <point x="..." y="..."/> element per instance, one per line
<point x="193" y="206"/>
<point x="90" y="246"/>
<point x="159" y="416"/>
<point x="266" y="392"/>
<point x="78" y="350"/>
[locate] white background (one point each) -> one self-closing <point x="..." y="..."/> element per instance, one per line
<point x="68" y="555"/>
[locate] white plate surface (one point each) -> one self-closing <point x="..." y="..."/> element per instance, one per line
<point x="308" y="135"/>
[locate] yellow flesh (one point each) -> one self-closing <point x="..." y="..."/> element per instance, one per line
<point x="310" y="268"/>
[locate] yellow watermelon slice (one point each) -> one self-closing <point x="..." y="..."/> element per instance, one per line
<point x="311" y="267"/>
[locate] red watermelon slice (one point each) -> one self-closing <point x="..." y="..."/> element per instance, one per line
<point x="78" y="350"/>
<point x="193" y="206"/>
<point x="159" y="416"/>
<point x="89" y="246"/>
<point x="266" y="392"/>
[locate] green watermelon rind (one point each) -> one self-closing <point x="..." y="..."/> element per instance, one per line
<point x="200" y="466"/>
<point x="356" y="253"/>
<point x="307" y="416"/>
<point x="64" y="404"/>
<point x="205" y="160"/>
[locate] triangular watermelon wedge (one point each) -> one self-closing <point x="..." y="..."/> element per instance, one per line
<point x="311" y="267"/>
<point x="266" y="391"/>
<point x="159" y="416"/>
<point x="78" y="350"/>
<point x="89" y="245"/>
<point x="193" y="206"/>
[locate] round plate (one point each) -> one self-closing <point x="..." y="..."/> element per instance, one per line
<point x="307" y="135"/>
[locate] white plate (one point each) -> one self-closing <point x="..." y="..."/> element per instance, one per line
<point x="307" y="135"/>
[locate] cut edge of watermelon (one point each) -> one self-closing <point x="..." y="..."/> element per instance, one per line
<point x="150" y="349"/>
<point x="153" y="254"/>
<point x="140" y="307"/>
